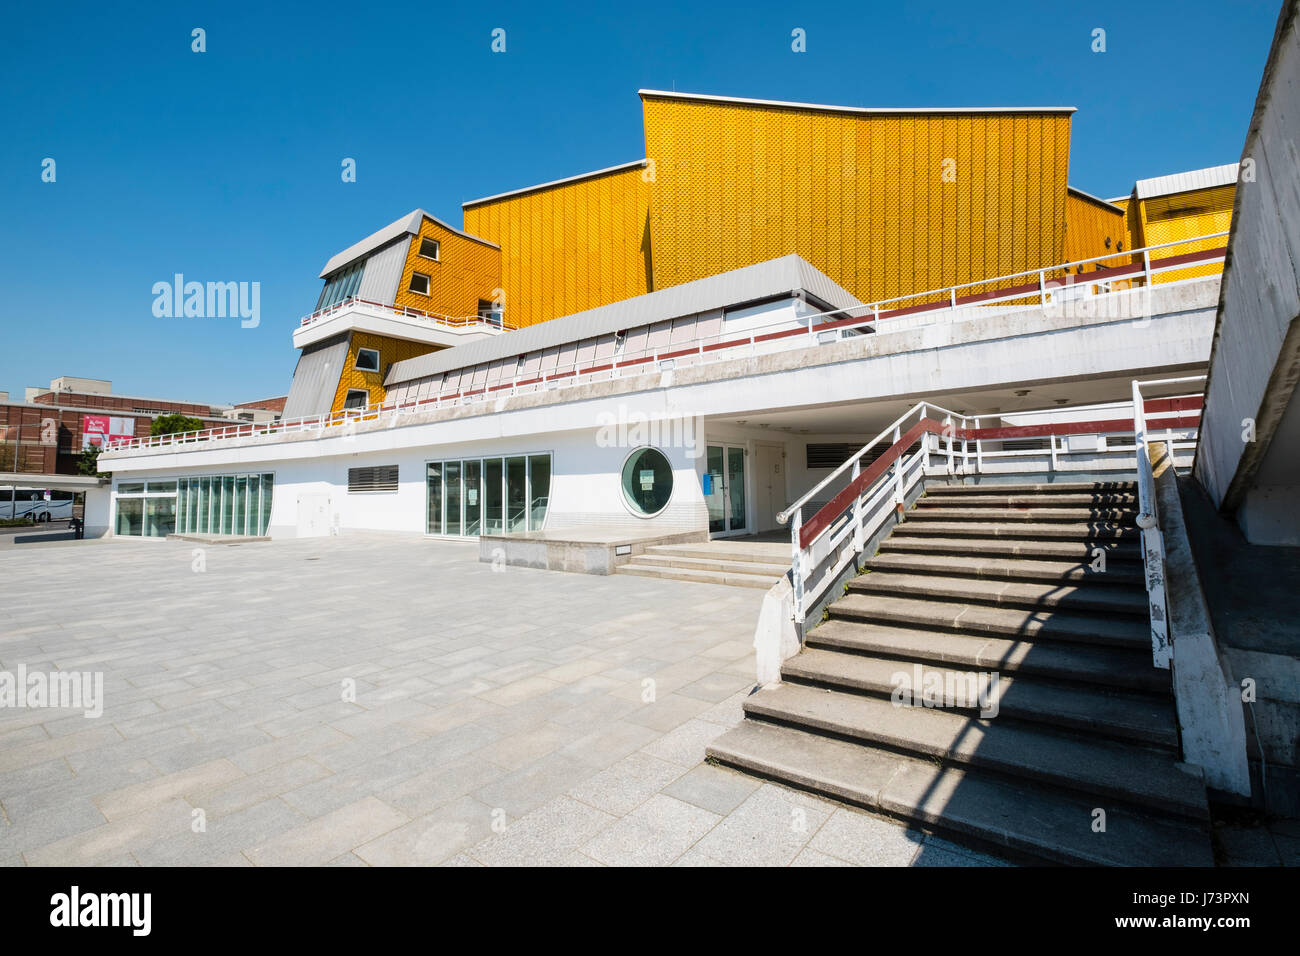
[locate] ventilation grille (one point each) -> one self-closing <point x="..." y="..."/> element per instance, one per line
<point x="378" y="478"/>
<point x="829" y="454"/>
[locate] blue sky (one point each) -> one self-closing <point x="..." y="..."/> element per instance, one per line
<point x="225" y="165"/>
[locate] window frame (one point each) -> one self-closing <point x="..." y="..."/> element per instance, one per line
<point x="356" y="363"/>
<point x="428" y="283"/>
<point x="356" y="391"/>
<point x="437" y="249"/>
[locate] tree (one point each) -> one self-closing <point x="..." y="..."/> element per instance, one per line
<point x="173" y="424"/>
<point x="88" y="462"/>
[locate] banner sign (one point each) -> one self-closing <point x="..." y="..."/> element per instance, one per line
<point x="98" y="429"/>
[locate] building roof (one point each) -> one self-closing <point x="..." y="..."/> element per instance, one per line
<point x="407" y="225"/>
<point x="1208" y="178"/>
<point x="749" y="284"/>
<point x="1108" y="203"/>
<point x="744" y="101"/>
<point x="557" y="182"/>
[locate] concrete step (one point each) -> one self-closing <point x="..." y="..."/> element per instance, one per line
<point x="1107" y="770"/>
<point x="1036" y="596"/>
<point x="1120" y="669"/>
<point x="1120" y="573"/>
<point x="1078" y="532"/>
<point x="1075" y="516"/>
<point x="775" y="570"/>
<point x="1017" y="816"/>
<point x="1049" y="488"/>
<point x="1078" y="709"/>
<point x="1125" y="552"/>
<point x="731" y="578"/>
<point x="1122" y="502"/>
<point x="1118" y="631"/>
<point x="760" y="552"/>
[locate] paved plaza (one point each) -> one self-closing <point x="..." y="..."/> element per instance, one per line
<point x="376" y="700"/>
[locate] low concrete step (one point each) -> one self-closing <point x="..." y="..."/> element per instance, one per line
<point x="1126" y="552"/>
<point x="760" y="552"/>
<point x="710" y="564"/>
<point x="1080" y="709"/>
<point x="1021" y="817"/>
<point x="1050" y="488"/>
<point x="1076" y="516"/>
<point x="1121" y="669"/>
<point x="1045" y="500"/>
<point x="1009" y="569"/>
<point x="732" y="578"/>
<point x="1150" y="779"/>
<point x="1037" y="596"/>
<point x="1078" y="532"/>
<point x="1117" y="631"/>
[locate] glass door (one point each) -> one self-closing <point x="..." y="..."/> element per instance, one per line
<point x="725" y="489"/>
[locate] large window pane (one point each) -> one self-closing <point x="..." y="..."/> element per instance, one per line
<point x="254" y="504"/>
<point x="539" y="490"/>
<point x="130" y="515"/>
<point x="192" y="507"/>
<point x="268" y="487"/>
<point x="492" y="502"/>
<point x="451" y="477"/>
<point x="159" y="516"/>
<point x="241" y="508"/>
<point x="517" y="493"/>
<point x="205" y="505"/>
<point x="433" y="484"/>
<point x="182" y="504"/>
<point x="473" y="480"/>
<point x="227" y="504"/>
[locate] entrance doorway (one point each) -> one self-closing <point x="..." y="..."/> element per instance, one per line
<point x="769" y="485"/>
<point x="725" y="494"/>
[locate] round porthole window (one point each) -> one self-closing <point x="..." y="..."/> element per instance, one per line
<point x="647" y="482"/>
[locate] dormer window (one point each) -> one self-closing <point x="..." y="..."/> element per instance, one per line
<point x="419" y="283"/>
<point x="429" y="249"/>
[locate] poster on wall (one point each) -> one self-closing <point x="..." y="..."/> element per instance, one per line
<point x="98" y="429"/>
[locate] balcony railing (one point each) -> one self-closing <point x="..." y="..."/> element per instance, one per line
<point x="404" y="312"/>
<point x="1050" y="286"/>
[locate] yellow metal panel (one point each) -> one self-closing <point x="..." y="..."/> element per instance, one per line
<point x="569" y="247"/>
<point x="390" y="351"/>
<point x="465" y="272"/>
<point x="1088" y="227"/>
<point x="1185" y="216"/>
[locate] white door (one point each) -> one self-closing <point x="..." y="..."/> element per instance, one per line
<point x="769" y="485"/>
<point x="313" y="516"/>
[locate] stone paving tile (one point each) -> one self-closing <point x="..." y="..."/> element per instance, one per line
<point x="329" y="836"/>
<point x="713" y="788"/>
<point x="141" y="796"/>
<point x="545" y="838"/>
<point x="654" y="834"/>
<point x="627" y="784"/>
<point x="686" y="745"/>
<point x="768" y="829"/>
<point x="103" y="843"/>
<point x="223" y="837"/>
<point x="864" y="840"/>
<point x="432" y="838"/>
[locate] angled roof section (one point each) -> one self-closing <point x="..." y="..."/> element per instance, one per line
<point x="743" y="101"/>
<point x="407" y="225"/>
<point x="556" y="182"/>
<point x="1108" y="203"/>
<point x="750" y="284"/>
<point x="1207" y="178"/>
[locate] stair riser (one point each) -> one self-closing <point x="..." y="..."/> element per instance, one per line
<point x="1027" y="516"/>
<point x="1140" y="676"/>
<point x="1130" y="558"/>
<point x="1114" y="577"/>
<point x="1055" y="488"/>
<point x="1086" y="502"/>
<point x="1007" y="710"/>
<point x="1041" y="532"/>
<point x="1044" y="633"/>
<point x="696" y="564"/>
<point x="739" y="556"/>
<point x="872" y="737"/>
<point x="1072" y="603"/>
<point x="679" y="574"/>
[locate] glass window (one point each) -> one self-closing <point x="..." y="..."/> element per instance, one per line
<point x="357" y="398"/>
<point x="368" y="360"/>
<point x="268" y="487"/>
<point x="130" y="516"/>
<point x="539" y="490"/>
<point x="159" y="516"/>
<point x="162" y="487"/>
<point x="241" y="508"/>
<point x="182" y="504"/>
<point x="227" y="504"/>
<point x="517" y="493"/>
<point x="205" y="505"/>
<point x="451" y="480"/>
<point x="419" y="283"/>
<point x="472" y="472"/>
<point x="493" y="475"/>
<point x="429" y="248"/>
<point x="647" y="482"/>
<point x="433" y="482"/>
<point x="132" y="488"/>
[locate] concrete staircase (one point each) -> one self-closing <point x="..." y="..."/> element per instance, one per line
<point x="994" y="579"/>
<point x="746" y="564"/>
